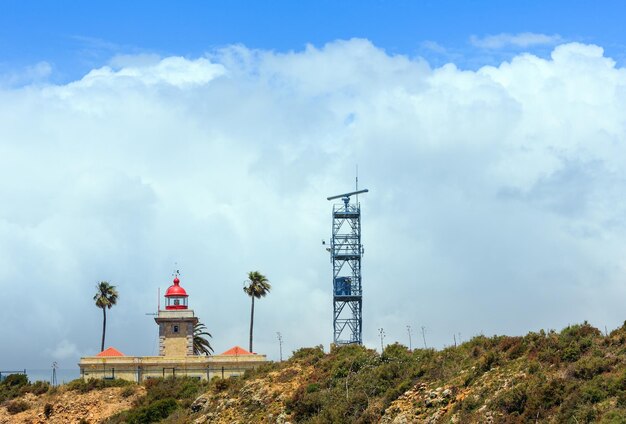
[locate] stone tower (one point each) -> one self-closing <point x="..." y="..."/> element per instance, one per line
<point x="176" y="323"/>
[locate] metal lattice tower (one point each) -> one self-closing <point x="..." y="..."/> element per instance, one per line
<point x="346" y="252"/>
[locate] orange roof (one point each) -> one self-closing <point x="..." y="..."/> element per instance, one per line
<point x="110" y="351"/>
<point x="237" y="351"/>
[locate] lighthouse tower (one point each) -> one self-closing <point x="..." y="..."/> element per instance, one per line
<point x="176" y="323"/>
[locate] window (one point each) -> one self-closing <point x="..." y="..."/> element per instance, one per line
<point x="175" y="329"/>
<point x="176" y="302"/>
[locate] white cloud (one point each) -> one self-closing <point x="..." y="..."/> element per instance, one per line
<point x="521" y="40"/>
<point x="37" y="73"/>
<point x="433" y="46"/>
<point x="63" y="350"/>
<point x="175" y="71"/>
<point x="496" y="199"/>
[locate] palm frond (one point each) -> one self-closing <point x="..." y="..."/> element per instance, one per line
<point x="106" y="295"/>
<point x="258" y="285"/>
<point x="201" y="345"/>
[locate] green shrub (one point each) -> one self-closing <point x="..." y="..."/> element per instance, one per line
<point x="184" y="389"/>
<point x="488" y="361"/>
<point x="154" y="412"/>
<point x="15" y="380"/>
<point x="469" y="404"/>
<point x="38" y="388"/>
<point x="313" y="387"/>
<point x="308" y="355"/>
<point x="534" y="367"/>
<point x="614" y="417"/>
<point x="513" y="400"/>
<point x="127" y="391"/>
<point x="82" y="386"/>
<point x="220" y="384"/>
<point x="589" y="367"/>
<point x="17" y="406"/>
<point x="593" y="394"/>
<point x="571" y="353"/>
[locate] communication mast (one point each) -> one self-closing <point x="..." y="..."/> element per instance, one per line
<point x="346" y="252"/>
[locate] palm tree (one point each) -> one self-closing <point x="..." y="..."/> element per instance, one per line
<point x="258" y="287"/>
<point x="105" y="298"/>
<point x="201" y="345"/>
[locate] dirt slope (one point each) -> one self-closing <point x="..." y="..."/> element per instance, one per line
<point x="72" y="406"/>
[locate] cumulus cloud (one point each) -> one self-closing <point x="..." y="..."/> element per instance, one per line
<point x="496" y="199"/>
<point x="37" y="73"/>
<point x="521" y="40"/>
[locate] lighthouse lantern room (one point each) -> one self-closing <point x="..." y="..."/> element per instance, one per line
<point x="176" y="296"/>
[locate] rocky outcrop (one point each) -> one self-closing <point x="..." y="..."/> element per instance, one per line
<point x="72" y="407"/>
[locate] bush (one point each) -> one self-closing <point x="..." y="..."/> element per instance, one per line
<point x="308" y="355"/>
<point x="82" y="386"/>
<point x="47" y="410"/>
<point x="15" y="380"/>
<point x="17" y="406"/>
<point x="127" y="391"/>
<point x="513" y="401"/>
<point x="593" y="394"/>
<point x="589" y="367"/>
<point x="313" y="387"/>
<point x="614" y="417"/>
<point x="219" y="384"/>
<point x="571" y="353"/>
<point x="154" y="412"/>
<point x="488" y="361"/>
<point x="38" y="388"/>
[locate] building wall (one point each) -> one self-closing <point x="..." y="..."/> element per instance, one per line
<point x="175" y="344"/>
<point x="140" y="368"/>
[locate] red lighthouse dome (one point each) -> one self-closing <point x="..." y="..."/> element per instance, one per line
<point x="176" y="296"/>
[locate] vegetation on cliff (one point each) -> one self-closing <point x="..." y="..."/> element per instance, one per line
<point x="577" y="375"/>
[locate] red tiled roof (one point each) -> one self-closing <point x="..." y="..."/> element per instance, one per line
<point x="110" y="351"/>
<point x="237" y="351"/>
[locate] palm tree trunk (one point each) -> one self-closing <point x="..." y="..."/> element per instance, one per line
<point x="251" y="322"/>
<point x="104" y="327"/>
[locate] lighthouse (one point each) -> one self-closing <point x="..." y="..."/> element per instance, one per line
<point x="176" y="323"/>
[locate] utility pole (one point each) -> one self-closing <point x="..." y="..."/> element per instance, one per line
<point x="424" y="336"/>
<point x="381" y="333"/>
<point x="280" y="345"/>
<point x="54" y="373"/>
<point x="408" y="329"/>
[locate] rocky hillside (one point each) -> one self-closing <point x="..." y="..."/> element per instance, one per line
<point x="74" y="403"/>
<point x="577" y="375"/>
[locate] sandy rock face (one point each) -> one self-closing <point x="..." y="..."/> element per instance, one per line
<point x="70" y="407"/>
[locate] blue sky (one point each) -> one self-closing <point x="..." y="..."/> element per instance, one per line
<point x="137" y="135"/>
<point x="75" y="36"/>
